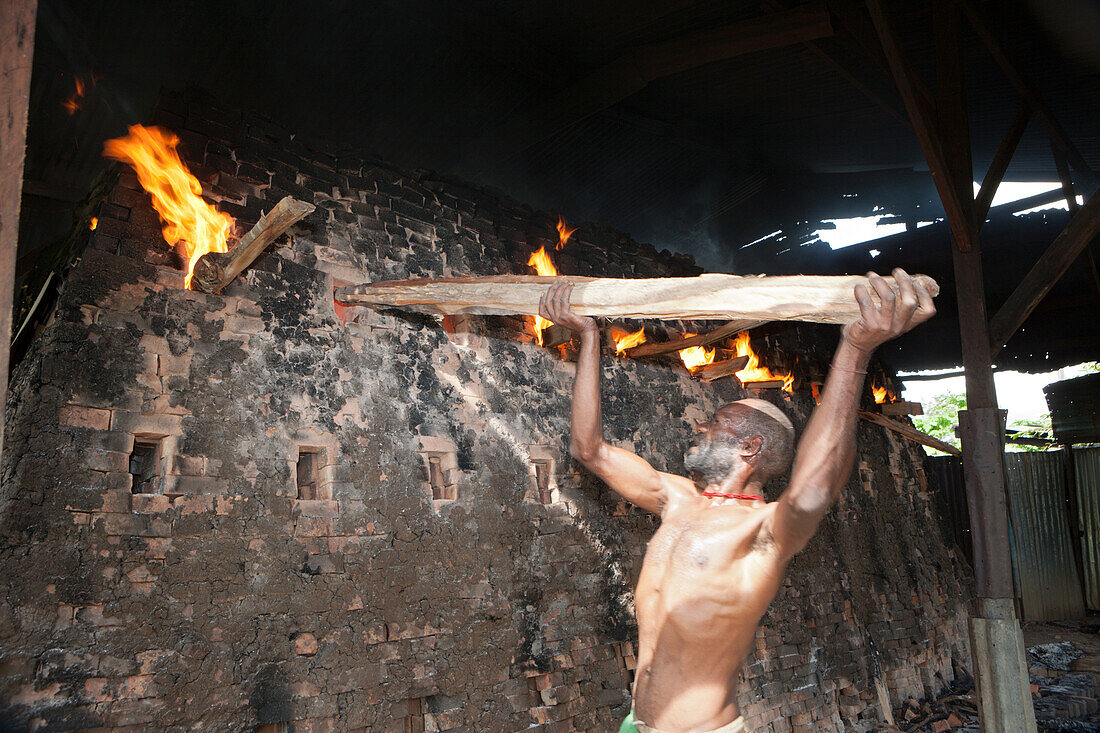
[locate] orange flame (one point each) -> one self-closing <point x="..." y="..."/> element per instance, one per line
<point x="624" y="340"/>
<point x="188" y="220"/>
<point x="695" y="356"/>
<point x="753" y="372"/>
<point x="72" y="104"/>
<point x="93" y="223"/>
<point x="543" y="266"/>
<point x="880" y="394"/>
<point x="564" y="233"/>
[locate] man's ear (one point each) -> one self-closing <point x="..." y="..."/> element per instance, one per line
<point x="751" y="446"/>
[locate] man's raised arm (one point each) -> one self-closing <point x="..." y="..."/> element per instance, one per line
<point x="827" y="449"/>
<point x="626" y="473"/>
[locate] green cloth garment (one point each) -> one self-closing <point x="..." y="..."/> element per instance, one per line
<point x="628" y="724"/>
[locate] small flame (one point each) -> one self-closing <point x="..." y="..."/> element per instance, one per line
<point x="72" y="104"/>
<point x="695" y="356"/>
<point x="880" y="394"/>
<point x="753" y="372"/>
<point x="564" y="232"/>
<point x="93" y="223"/>
<point x="541" y="262"/>
<point x="624" y="340"/>
<point x="187" y="218"/>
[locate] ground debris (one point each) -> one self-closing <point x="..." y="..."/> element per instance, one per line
<point x="1062" y="703"/>
<point x="1057" y="655"/>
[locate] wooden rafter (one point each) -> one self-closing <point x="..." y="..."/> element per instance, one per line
<point x="997" y="168"/>
<point x="1053" y="263"/>
<point x="1025" y="89"/>
<point x="841" y="69"/>
<point x="954" y="123"/>
<point x="925" y="128"/>
<point x="639" y="66"/>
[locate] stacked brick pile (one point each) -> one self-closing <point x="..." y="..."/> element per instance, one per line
<point x="226" y="594"/>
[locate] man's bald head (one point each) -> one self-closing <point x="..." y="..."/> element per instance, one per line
<point x="737" y="422"/>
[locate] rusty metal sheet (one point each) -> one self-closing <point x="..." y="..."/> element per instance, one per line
<point x="1043" y="554"/>
<point x="1086" y="462"/>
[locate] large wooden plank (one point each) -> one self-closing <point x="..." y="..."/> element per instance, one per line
<point x="16" y="54"/>
<point x="1053" y="263"/>
<point x="814" y="298"/>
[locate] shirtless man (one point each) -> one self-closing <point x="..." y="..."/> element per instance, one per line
<point x="718" y="559"/>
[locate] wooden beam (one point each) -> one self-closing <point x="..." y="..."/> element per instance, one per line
<point x="667" y="347"/>
<point x="909" y="432"/>
<point x="1025" y="89"/>
<point x="639" y="66"/>
<point x="816" y="49"/>
<point x="819" y="299"/>
<point x="954" y="122"/>
<point x="1088" y="257"/>
<point x="719" y="369"/>
<point x="855" y="27"/>
<point x="17" y="20"/>
<point x="1053" y="263"/>
<point x="215" y="270"/>
<point x="997" y="168"/>
<point x="1064" y="176"/>
<point x="957" y="220"/>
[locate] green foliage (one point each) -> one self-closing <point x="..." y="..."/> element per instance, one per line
<point x="1039" y="428"/>
<point x="941" y="418"/>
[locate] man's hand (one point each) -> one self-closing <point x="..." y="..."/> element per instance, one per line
<point x="892" y="315"/>
<point x="554" y="306"/>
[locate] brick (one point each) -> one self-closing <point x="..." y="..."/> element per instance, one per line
<point x="85" y="417"/>
<point x="305" y="644"/>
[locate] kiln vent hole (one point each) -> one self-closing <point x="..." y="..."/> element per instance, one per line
<point x="272" y="728"/>
<point x="544" y="471"/>
<point x="144" y="465"/>
<point x="307" y="469"/>
<point x="414" y="723"/>
<point x="440" y="465"/>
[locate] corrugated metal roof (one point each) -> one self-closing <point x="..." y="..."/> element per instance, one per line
<point x="1086" y="462"/>
<point x="1043" y="553"/>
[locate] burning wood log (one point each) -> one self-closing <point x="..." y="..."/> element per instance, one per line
<point x="765" y="384"/>
<point x="719" y="369"/>
<point x="909" y="432"/>
<point x="215" y="270"/>
<point x="817" y="298"/>
<point x="705" y="339"/>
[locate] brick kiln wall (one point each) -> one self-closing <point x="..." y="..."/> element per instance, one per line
<point x="222" y="602"/>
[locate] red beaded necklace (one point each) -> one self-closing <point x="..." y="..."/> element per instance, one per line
<point x="720" y="495"/>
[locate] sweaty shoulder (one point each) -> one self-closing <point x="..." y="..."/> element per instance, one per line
<point x="679" y="491"/>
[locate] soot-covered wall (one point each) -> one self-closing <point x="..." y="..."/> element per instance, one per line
<point x="232" y="593"/>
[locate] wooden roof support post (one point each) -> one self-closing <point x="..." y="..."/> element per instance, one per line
<point x="996" y="640"/>
<point x="16" y="53"/>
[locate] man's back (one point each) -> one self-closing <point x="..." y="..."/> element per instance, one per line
<point x="706" y="581"/>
